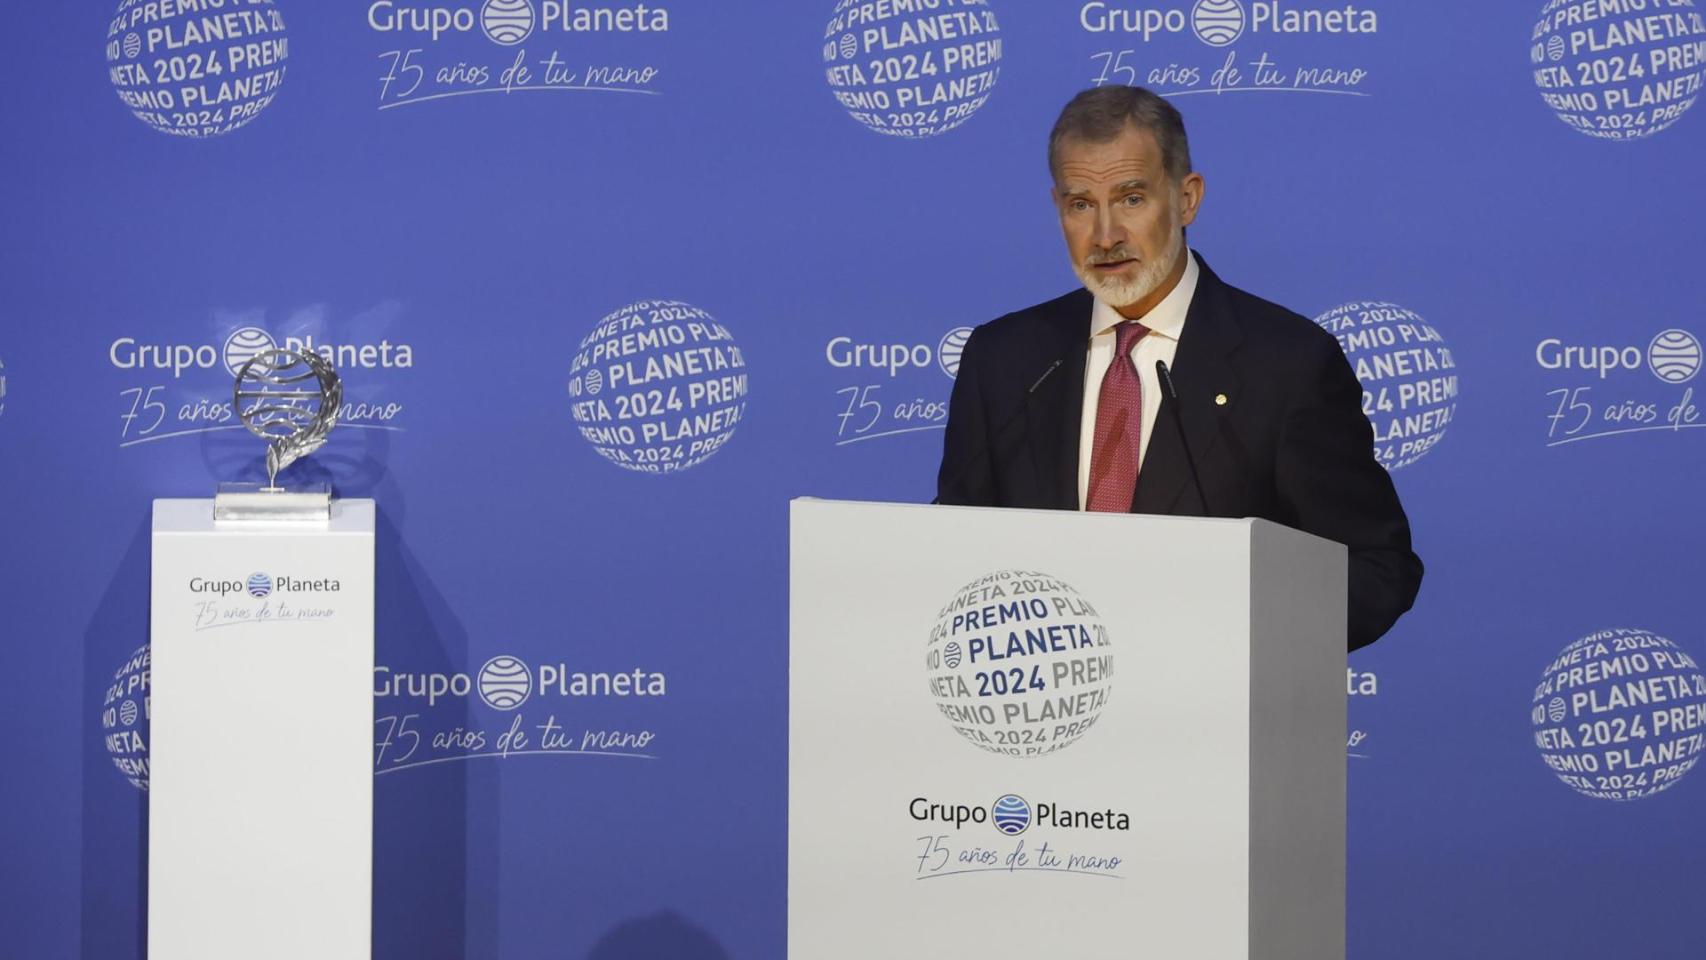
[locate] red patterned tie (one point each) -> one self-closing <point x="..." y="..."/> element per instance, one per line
<point x="1119" y="428"/>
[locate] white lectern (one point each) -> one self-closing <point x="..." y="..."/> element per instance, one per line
<point x="1021" y="734"/>
<point x="260" y="815"/>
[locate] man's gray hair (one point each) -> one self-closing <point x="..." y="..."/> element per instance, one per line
<point x="1100" y="114"/>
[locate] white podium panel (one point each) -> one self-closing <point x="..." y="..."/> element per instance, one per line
<point x="1021" y="734"/>
<point x="260" y="814"/>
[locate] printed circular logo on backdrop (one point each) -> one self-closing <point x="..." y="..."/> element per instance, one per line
<point x="911" y="70"/>
<point x="196" y="70"/>
<point x="260" y="585"/>
<point x="1012" y="815"/>
<point x="1019" y="663"/>
<point x="504" y="683"/>
<point x="1620" y="714"/>
<point x="949" y="350"/>
<point x="1619" y="71"/>
<point x="244" y="344"/>
<point x="507" y="22"/>
<point x="125" y="711"/>
<point x="1674" y="356"/>
<point x="658" y="386"/>
<point x="1218" y="22"/>
<point x="1409" y="380"/>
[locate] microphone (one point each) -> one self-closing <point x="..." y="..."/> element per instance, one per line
<point x="1179" y="422"/>
<point x="1006" y="425"/>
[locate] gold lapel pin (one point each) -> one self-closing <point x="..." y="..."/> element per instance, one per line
<point x="1220" y="399"/>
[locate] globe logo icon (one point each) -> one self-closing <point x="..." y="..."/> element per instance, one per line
<point x="127" y="712"/>
<point x="951" y="655"/>
<point x="594" y="382"/>
<point x="1674" y="356"/>
<point x="132" y="44"/>
<point x="243" y="345"/>
<point x="504" y="683"/>
<point x="260" y="585"/>
<point x="1556" y="709"/>
<point x="849" y="46"/>
<point x="1012" y="815"/>
<point x="948" y="352"/>
<point x="507" y="22"/>
<point x="1218" y="22"/>
<point x="1555" y="47"/>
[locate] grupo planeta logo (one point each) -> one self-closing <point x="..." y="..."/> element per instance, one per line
<point x="260" y="585"/>
<point x="1607" y="391"/>
<point x="1619" y="70"/>
<point x="912" y="69"/>
<point x="175" y="389"/>
<point x="658" y="387"/>
<point x="902" y="389"/>
<point x="1408" y="376"/>
<point x="1231" y="46"/>
<point x="1620" y="714"/>
<point x="442" y="50"/>
<point x="197" y="69"/>
<point x="1019" y="663"/>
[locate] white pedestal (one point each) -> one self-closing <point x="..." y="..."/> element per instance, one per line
<point x="1133" y="747"/>
<point x="261" y="781"/>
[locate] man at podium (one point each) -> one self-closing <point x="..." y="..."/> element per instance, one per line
<point x="1159" y="388"/>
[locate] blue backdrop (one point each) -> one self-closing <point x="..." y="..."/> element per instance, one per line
<point x="468" y="205"/>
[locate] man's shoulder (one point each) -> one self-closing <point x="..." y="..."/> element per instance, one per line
<point x="1275" y="329"/>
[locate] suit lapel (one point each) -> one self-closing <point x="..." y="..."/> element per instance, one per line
<point x="1054" y="409"/>
<point x="1201" y="369"/>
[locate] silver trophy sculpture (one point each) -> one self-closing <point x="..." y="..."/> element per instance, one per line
<point x="291" y="400"/>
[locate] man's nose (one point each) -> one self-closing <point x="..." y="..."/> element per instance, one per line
<point x="1108" y="233"/>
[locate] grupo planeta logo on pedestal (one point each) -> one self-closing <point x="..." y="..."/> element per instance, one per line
<point x="1019" y="663"/>
<point x="439" y="51"/>
<point x="175" y="389"/>
<point x="1052" y="837"/>
<point x="898" y="388"/>
<point x="1620" y="714"/>
<point x="196" y="69"/>
<point x="1635" y="386"/>
<point x="507" y="708"/>
<point x="658" y="387"/>
<point x="912" y="69"/>
<point x="1408" y="376"/>
<point x="1182" y="47"/>
<point x="1619" y="70"/>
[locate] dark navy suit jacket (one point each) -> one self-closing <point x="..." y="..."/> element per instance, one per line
<point x="1291" y="444"/>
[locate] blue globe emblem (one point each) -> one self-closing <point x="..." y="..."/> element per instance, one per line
<point x="1012" y="815"/>
<point x="1218" y="22"/>
<point x="243" y="345"/>
<point x="127" y="712"/>
<point x="132" y="44"/>
<point x="952" y="347"/>
<point x="260" y="585"/>
<point x="1555" y="47"/>
<point x="504" y="683"/>
<point x="507" y="22"/>
<point x="1556" y="709"/>
<point x="1674" y="356"/>
<point x="951" y="654"/>
<point x="594" y="381"/>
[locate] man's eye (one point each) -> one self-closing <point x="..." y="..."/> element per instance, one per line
<point x="1080" y="206"/>
<point x="1133" y="200"/>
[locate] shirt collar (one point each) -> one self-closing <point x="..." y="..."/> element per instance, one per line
<point x="1168" y="316"/>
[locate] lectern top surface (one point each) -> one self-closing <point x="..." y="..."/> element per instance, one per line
<point x="196" y="516"/>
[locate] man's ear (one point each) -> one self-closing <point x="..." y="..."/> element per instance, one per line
<point x="1190" y="197"/>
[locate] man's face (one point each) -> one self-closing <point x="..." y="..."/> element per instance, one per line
<point x="1123" y="217"/>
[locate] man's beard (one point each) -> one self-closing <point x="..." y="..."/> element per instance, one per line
<point x="1121" y="292"/>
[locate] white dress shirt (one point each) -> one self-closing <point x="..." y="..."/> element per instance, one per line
<point x="1165" y="323"/>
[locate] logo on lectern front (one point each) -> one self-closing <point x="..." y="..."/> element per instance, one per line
<point x="1019" y="663"/>
<point x="1011" y="814"/>
<point x="505" y="683"/>
<point x="260" y="585"/>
